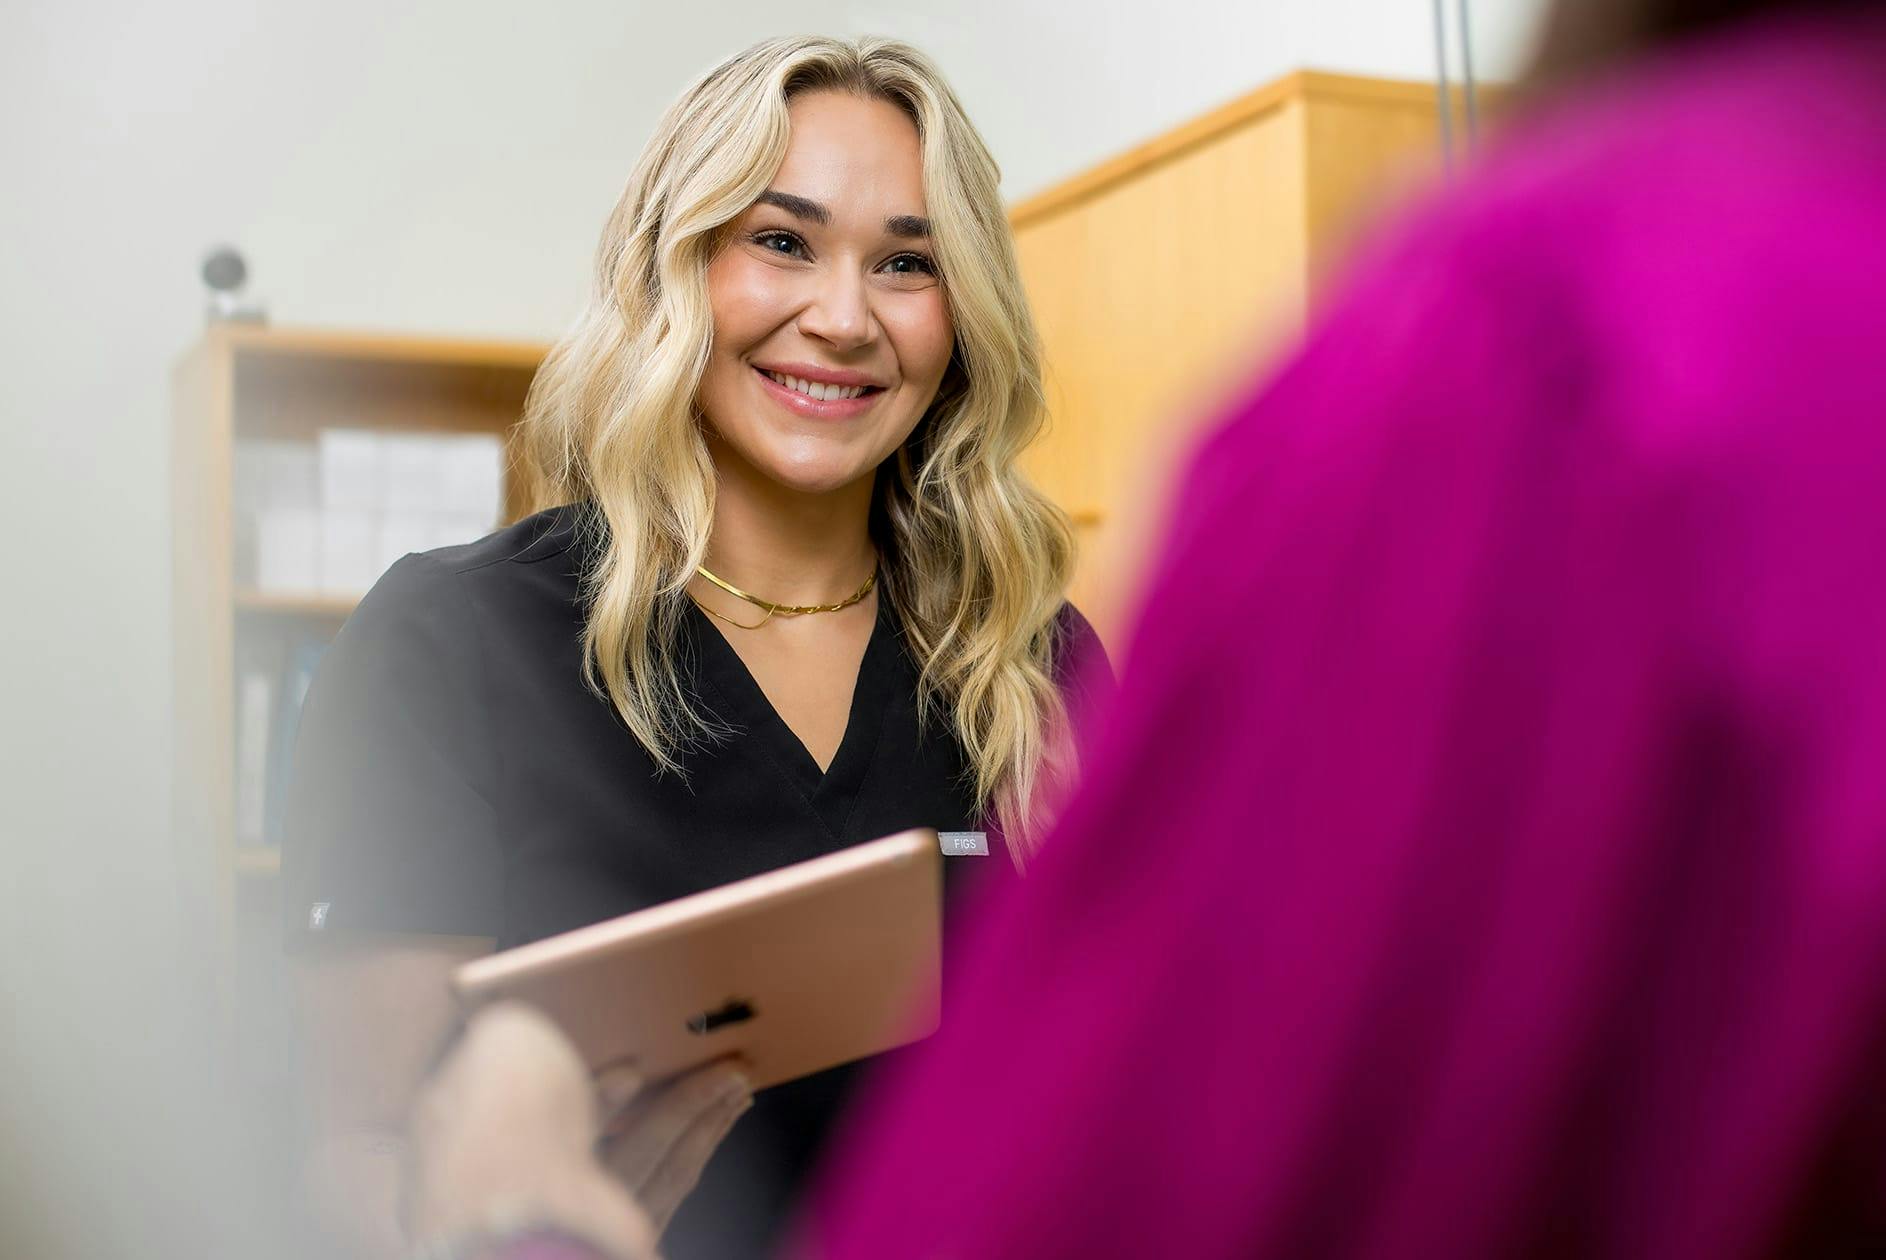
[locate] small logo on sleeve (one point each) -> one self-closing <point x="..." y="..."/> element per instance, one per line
<point x="317" y="916"/>
<point x="964" y="843"/>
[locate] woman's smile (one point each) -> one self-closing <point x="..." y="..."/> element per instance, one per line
<point x="821" y="393"/>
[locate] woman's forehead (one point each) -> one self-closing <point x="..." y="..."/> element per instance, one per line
<point x="859" y="158"/>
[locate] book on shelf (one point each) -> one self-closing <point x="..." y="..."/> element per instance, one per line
<point x="255" y="700"/>
<point x="273" y="676"/>
<point x="301" y="660"/>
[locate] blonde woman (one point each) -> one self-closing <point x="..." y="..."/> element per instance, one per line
<point x="787" y="593"/>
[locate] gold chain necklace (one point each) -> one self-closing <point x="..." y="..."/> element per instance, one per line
<point x="773" y="609"/>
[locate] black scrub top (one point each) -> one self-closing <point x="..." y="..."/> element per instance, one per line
<point x="454" y="776"/>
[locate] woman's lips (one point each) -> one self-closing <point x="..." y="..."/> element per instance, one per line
<point x="819" y="408"/>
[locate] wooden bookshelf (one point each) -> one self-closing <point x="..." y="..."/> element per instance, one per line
<point x="258" y="862"/>
<point x="244" y="382"/>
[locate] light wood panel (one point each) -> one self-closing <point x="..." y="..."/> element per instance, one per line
<point x="1370" y="145"/>
<point x="1165" y="277"/>
<point x="1140" y="307"/>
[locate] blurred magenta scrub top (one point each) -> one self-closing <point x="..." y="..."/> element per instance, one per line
<point x="1486" y="851"/>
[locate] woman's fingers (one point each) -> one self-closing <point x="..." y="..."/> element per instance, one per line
<point x="651" y="1127"/>
<point x="677" y="1176"/>
<point x="617" y="1087"/>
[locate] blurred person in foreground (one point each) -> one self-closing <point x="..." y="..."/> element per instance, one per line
<point x="1486" y="853"/>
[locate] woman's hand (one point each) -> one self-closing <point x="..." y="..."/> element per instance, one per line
<point x="658" y="1140"/>
<point x="504" y="1136"/>
<point x="508" y="1132"/>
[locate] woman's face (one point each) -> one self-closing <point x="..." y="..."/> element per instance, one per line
<point x="831" y="333"/>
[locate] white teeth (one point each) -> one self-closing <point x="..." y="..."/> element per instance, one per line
<point x="817" y="389"/>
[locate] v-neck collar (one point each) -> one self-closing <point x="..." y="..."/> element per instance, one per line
<point x="832" y="792"/>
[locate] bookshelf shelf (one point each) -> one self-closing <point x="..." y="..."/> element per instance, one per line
<point x="311" y="606"/>
<point x="258" y="863"/>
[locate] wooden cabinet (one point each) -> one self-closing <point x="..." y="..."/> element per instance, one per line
<point x="1165" y="277"/>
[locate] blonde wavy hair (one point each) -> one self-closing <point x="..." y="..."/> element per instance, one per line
<point x="974" y="560"/>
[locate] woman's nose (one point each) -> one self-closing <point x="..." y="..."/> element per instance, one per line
<point x="840" y="312"/>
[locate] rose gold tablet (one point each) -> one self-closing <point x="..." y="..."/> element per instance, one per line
<point x="796" y="970"/>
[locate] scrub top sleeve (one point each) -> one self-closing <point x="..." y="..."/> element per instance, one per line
<point x="390" y="825"/>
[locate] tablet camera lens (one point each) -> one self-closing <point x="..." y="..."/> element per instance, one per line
<point x="734" y="1012"/>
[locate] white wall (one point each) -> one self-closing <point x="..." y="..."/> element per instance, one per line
<point x="434" y="165"/>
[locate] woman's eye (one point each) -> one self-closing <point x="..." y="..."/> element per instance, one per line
<point x="780" y="243"/>
<point x="910" y="265"/>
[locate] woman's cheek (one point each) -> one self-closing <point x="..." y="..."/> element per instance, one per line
<point x="748" y="299"/>
<point x="924" y="335"/>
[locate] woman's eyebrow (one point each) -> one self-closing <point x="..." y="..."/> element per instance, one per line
<point x="798" y="207"/>
<point x="902" y="226"/>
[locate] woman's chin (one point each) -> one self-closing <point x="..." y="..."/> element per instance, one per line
<point x="814" y="479"/>
<point x="816" y="487"/>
